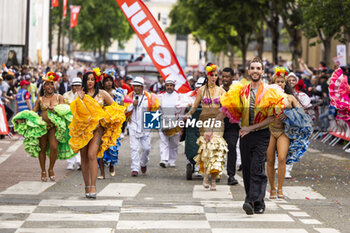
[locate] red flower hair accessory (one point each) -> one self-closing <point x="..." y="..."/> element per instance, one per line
<point x="51" y="77"/>
<point x="97" y="74"/>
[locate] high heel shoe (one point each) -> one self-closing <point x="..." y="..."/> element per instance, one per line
<point x="92" y="195"/>
<point x="273" y="194"/>
<point x="205" y="182"/>
<point x="280" y="193"/>
<point x="52" y="175"/>
<point x="87" y="194"/>
<point x="43" y="177"/>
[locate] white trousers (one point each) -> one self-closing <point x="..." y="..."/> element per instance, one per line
<point x="74" y="160"/>
<point x="168" y="147"/>
<point x="136" y="144"/>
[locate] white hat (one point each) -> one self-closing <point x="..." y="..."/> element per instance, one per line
<point x="189" y="78"/>
<point x="138" y="81"/>
<point x="200" y="82"/>
<point x="170" y="81"/>
<point x="291" y="74"/>
<point x="76" y="81"/>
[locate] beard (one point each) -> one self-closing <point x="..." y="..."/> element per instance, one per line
<point x="255" y="79"/>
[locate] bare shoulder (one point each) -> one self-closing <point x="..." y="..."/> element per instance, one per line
<point x="103" y="93"/>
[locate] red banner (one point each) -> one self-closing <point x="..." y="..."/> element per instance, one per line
<point x="55" y="3"/>
<point x="64" y="9"/>
<point x="4" y="129"/>
<point x="74" y="12"/>
<point x="155" y="42"/>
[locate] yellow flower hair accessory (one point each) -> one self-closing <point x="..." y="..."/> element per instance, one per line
<point x="210" y="69"/>
<point x="51" y="77"/>
<point x="97" y="74"/>
<point x="281" y="71"/>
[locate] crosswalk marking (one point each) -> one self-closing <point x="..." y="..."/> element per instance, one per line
<point x="165" y="210"/>
<point x="65" y="230"/>
<point x="289" y="207"/>
<point x="181" y="224"/>
<point x="239" y="217"/>
<point x="254" y="230"/>
<point x="73" y="217"/>
<point x="299" y="214"/>
<point x="301" y="192"/>
<point x="58" y="203"/>
<point x="28" y="188"/>
<point x="327" y="230"/>
<point x="310" y="221"/>
<point x="9" y="151"/>
<point x="10" y="224"/>
<point x="121" y="190"/>
<point x="234" y="204"/>
<point x="14" y="209"/>
<point x="222" y="192"/>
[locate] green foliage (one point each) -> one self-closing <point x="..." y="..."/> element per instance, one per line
<point x="100" y="22"/>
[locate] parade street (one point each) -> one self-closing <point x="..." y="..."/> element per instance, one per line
<point x="162" y="200"/>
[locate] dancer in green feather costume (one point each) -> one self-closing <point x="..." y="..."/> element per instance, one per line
<point x="47" y="134"/>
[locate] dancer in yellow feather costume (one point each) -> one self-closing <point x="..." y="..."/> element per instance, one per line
<point x="96" y="125"/>
<point x="212" y="152"/>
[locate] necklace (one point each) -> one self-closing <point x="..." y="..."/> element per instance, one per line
<point x="211" y="86"/>
<point x="48" y="95"/>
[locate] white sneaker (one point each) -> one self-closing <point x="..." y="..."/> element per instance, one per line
<point x="122" y="135"/>
<point x="287" y="175"/>
<point x="70" y="167"/>
<point x="78" y="166"/>
<point x="347" y="150"/>
<point x="172" y="165"/>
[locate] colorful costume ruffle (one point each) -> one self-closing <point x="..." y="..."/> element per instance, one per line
<point x="211" y="155"/>
<point x="298" y="127"/>
<point x="235" y="103"/>
<point x="110" y="156"/>
<point x="33" y="128"/>
<point x="87" y="116"/>
<point x="61" y="117"/>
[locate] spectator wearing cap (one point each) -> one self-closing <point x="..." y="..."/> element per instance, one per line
<point x="139" y="138"/>
<point x="64" y="85"/>
<point x="69" y="97"/>
<point x="191" y="81"/>
<point x="23" y="97"/>
<point x="159" y="86"/>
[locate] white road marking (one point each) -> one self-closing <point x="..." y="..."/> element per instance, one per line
<point x="234" y="204"/>
<point x="299" y="214"/>
<point x="4" y="142"/>
<point x="28" y="188"/>
<point x="310" y="221"/>
<point x="312" y="150"/>
<point x="222" y="192"/>
<point x="121" y="190"/>
<point x="255" y="230"/>
<point x="180" y="224"/>
<point x="106" y="216"/>
<point x="327" y="230"/>
<point x="240" y="217"/>
<point x="17" y="209"/>
<point x="331" y="156"/>
<point x="301" y="192"/>
<point x="165" y="210"/>
<point x="10" y="150"/>
<point x="58" y="203"/>
<point x="289" y="207"/>
<point x="10" y="224"/>
<point x="65" y="230"/>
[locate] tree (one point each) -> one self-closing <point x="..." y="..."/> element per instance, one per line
<point x="223" y="24"/>
<point x="323" y="18"/>
<point x="291" y="14"/>
<point x="100" y="22"/>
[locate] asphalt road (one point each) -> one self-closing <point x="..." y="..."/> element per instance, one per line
<point x="162" y="200"/>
